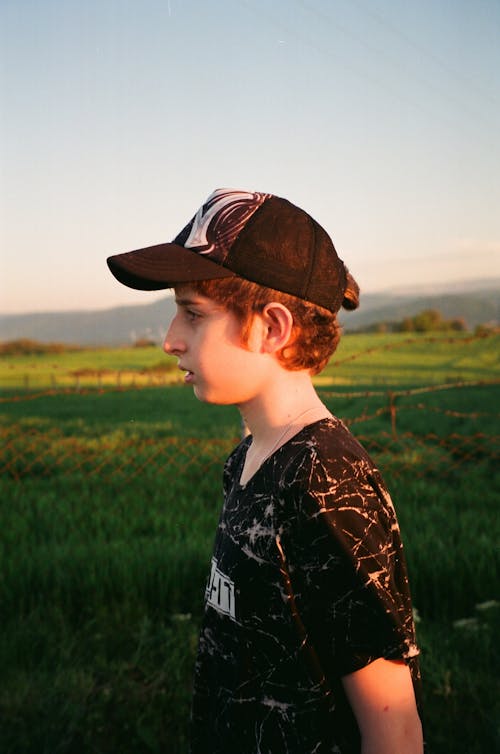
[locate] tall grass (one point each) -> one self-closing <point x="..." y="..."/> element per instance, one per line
<point x="101" y="596"/>
<point x="107" y="514"/>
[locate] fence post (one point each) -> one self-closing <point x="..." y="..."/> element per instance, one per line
<point x="392" y="412"/>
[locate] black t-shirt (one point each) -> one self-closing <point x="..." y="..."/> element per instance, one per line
<point x="308" y="583"/>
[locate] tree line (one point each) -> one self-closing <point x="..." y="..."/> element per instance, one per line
<point x="426" y="321"/>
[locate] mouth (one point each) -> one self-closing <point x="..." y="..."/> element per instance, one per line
<point x="188" y="375"/>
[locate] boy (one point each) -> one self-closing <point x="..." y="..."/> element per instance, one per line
<point x="307" y="643"/>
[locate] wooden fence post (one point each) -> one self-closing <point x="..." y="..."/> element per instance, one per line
<point x="392" y="413"/>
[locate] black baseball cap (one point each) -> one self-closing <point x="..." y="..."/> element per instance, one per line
<point x="256" y="236"/>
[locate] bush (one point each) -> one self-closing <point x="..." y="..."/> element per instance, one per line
<point x="27" y="347"/>
<point x="145" y="343"/>
<point x="431" y="320"/>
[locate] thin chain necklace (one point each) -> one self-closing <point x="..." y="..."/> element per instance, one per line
<point x="287" y="429"/>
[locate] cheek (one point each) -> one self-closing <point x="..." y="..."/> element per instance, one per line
<point x="231" y="374"/>
<point x="249" y="335"/>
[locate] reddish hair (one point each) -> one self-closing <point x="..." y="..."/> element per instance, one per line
<point x="316" y="331"/>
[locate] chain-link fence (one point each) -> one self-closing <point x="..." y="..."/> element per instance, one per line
<point x="404" y="430"/>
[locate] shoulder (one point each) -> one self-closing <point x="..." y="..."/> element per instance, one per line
<point x="328" y="448"/>
<point x="325" y="462"/>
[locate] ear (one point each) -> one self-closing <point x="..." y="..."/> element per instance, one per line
<point x="278" y="326"/>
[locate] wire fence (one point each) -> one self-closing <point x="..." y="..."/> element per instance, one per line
<point x="384" y="421"/>
<point x="422" y="430"/>
<point x="42" y="455"/>
<point x="392" y="406"/>
<point x="25" y="376"/>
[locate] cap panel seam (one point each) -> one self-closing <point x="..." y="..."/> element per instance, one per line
<point x="311" y="259"/>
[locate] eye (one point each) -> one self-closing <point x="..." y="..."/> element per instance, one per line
<point x="191" y="315"/>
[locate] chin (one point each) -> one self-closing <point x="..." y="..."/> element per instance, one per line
<point x="205" y="397"/>
<point x="212" y="398"/>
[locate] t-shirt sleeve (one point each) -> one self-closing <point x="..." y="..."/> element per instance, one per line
<point x="344" y="556"/>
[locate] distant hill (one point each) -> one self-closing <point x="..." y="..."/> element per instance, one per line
<point x="122" y="325"/>
<point x="125" y="324"/>
<point x="477" y="307"/>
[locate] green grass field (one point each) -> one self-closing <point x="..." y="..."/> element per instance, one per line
<point x="108" y="504"/>
<point x="376" y="360"/>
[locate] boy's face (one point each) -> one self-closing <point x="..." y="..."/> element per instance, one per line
<point x="206" y="338"/>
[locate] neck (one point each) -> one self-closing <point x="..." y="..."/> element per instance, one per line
<point x="285" y="403"/>
<point x="275" y="418"/>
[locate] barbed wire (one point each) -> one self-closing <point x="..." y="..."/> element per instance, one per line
<point x="28" y="396"/>
<point x="166" y="373"/>
<point x="413" y="341"/>
<point x="410" y="391"/>
<point x="27" y="451"/>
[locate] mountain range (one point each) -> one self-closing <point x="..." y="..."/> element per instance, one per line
<point x="477" y="303"/>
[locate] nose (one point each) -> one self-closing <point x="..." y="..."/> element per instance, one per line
<point x="173" y="344"/>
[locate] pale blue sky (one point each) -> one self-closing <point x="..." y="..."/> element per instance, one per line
<point x="379" y="117"/>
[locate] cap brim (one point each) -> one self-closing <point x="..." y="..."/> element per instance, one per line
<point x="163" y="266"/>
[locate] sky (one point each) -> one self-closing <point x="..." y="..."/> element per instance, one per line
<point x="381" y="118"/>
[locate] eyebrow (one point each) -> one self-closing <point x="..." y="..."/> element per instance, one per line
<point x="188" y="301"/>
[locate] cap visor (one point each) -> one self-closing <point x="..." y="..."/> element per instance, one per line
<point x="163" y="266"/>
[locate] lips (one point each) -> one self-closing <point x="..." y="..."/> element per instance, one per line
<point x="188" y="376"/>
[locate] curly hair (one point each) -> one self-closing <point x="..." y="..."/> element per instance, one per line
<point x="316" y="331"/>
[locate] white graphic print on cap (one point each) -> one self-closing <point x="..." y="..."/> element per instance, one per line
<point x="220" y="219"/>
